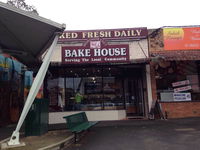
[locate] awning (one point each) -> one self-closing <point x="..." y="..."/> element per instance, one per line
<point x="25" y="35"/>
<point x="181" y="55"/>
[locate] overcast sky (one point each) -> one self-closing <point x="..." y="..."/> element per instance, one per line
<point x="111" y="14"/>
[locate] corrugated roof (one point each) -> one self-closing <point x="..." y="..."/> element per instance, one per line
<point x="25" y="35"/>
<point x="177" y="55"/>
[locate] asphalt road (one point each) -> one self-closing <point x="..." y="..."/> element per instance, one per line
<point x="179" y="134"/>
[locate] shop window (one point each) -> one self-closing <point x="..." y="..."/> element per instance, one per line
<point x="98" y="93"/>
<point x="97" y="89"/>
<point x="177" y="80"/>
<point x="53" y="94"/>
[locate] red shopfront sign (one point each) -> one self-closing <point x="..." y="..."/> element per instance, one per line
<point x="109" y="34"/>
<point x="182" y="38"/>
<point x="95" y="54"/>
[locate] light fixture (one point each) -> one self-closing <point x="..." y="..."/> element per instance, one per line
<point x="94" y="79"/>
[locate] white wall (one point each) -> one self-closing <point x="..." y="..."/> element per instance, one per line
<point x="56" y="57"/>
<point x="138" y="49"/>
<point x="103" y="115"/>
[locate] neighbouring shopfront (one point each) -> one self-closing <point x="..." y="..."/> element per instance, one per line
<point x="175" y="70"/>
<point x="11" y="89"/>
<point x="102" y="72"/>
<point x="15" y="83"/>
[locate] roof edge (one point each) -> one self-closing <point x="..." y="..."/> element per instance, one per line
<point x="33" y="16"/>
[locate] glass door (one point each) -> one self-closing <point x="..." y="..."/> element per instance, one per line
<point x="134" y="96"/>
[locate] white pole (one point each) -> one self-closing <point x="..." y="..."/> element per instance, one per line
<point x="14" y="140"/>
<point x="149" y="88"/>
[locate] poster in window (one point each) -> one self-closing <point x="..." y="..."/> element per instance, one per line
<point x="182" y="96"/>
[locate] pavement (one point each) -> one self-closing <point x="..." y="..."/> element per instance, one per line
<point x="56" y="138"/>
<point x="175" y="134"/>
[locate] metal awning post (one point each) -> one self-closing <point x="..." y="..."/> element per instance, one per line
<point x="14" y="140"/>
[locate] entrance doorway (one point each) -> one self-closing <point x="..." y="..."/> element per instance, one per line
<point x="134" y="96"/>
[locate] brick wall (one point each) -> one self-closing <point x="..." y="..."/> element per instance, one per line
<point x="181" y="109"/>
<point x="156" y="40"/>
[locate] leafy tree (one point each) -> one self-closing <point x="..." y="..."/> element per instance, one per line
<point x="21" y="4"/>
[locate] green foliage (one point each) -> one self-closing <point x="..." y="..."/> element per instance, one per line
<point x="21" y="4"/>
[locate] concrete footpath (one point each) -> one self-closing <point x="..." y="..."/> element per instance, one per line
<point x="57" y="138"/>
<point x="51" y="140"/>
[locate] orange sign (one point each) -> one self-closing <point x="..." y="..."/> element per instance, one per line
<point x="181" y="38"/>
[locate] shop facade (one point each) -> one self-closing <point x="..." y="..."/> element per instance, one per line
<point x="175" y="70"/>
<point x="108" y="69"/>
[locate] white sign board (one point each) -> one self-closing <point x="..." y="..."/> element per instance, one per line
<point x="182" y="96"/>
<point x="185" y="88"/>
<point x="185" y="82"/>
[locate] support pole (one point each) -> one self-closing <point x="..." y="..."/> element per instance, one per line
<point x="149" y="86"/>
<point x="14" y="140"/>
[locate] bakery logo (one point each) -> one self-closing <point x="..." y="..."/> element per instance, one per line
<point x="95" y="44"/>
